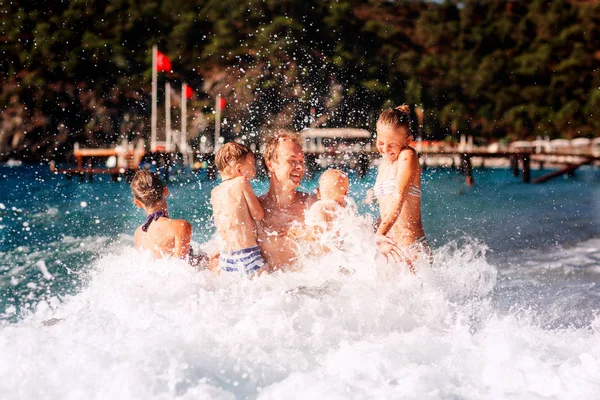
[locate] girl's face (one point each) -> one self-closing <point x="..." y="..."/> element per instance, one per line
<point x="390" y="141"/>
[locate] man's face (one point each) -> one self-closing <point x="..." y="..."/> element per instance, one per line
<point x="288" y="167"/>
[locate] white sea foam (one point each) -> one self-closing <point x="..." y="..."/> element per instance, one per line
<point x="144" y="328"/>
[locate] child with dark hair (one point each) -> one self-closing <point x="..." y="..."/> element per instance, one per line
<point x="160" y="234"/>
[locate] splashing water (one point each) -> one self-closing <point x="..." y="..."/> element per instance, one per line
<point x="347" y="325"/>
<point x="145" y="328"/>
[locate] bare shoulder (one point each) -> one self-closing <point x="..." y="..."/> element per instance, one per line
<point x="240" y="181"/>
<point x="243" y="183"/>
<point x="307" y="199"/>
<point x="410" y="157"/>
<point x="181" y="226"/>
<point x="408" y="153"/>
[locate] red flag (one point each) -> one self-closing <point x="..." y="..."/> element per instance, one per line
<point x="188" y="92"/>
<point x="163" y="63"/>
<point x="222" y="103"/>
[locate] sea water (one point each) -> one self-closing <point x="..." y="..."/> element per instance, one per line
<point x="510" y="308"/>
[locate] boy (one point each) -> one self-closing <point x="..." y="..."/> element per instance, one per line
<point x="235" y="210"/>
<point x="160" y="234"/>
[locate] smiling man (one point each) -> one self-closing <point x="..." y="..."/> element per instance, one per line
<point x="283" y="203"/>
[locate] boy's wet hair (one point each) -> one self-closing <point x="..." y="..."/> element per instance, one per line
<point x="147" y="187"/>
<point x="229" y="154"/>
<point x="396" y="118"/>
<point x="270" y="151"/>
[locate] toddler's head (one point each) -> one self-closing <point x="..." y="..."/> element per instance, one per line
<point x="148" y="190"/>
<point x="234" y="159"/>
<point x="333" y="185"/>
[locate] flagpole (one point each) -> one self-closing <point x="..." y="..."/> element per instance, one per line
<point x="183" y="138"/>
<point x="168" y="116"/>
<point x="153" y="116"/>
<point x="218" y="122"/>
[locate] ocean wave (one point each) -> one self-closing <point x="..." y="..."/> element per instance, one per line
<point x="145" y="328"/>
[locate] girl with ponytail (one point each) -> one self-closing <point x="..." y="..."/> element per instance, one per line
<point x="398" y="189"/>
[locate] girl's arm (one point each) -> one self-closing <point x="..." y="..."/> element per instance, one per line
<point x="407" y="168"/>
<point x="256" y="210"/>
<point x="183" y="238"/>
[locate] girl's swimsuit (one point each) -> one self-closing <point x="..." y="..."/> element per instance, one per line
<point x="155" y="216"/>
<point x="388" y="187"/>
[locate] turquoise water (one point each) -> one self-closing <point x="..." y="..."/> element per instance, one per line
<point x="44" y="218"/>
<point x="510" y="309"/>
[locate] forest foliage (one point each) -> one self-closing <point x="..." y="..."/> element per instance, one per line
<point x="81" y="70"/>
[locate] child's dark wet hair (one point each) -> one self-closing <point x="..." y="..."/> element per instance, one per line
<point x="147" y="187"/>
<point x="229" y="154"/>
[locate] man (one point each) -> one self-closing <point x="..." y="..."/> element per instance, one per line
<point x="283" y="203"/>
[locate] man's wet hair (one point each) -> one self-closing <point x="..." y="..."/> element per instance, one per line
<point x="271" y="143"/>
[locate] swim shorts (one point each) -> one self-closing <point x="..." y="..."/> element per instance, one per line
<point x="247" y="260"/>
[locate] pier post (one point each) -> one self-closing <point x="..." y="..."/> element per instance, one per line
<point x="467" y="168"/>
<point x="526" y="168"/>
<point x="469" y="172"/>
<point x="514" y="165"/>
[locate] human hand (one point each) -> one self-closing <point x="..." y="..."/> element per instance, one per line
<point x="388" y="248"/>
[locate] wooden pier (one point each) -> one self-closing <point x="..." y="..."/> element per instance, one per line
<point x="126" y="162"/>
<point x="353" y="150"/>
<point x="519" y="161"/>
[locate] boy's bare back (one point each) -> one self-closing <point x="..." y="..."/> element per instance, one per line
<point x="165" y="237"/>
<point x="235" y="207"/>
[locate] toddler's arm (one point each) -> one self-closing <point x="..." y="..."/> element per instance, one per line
<point x="256" y="210"/>
<point x="316" y="222"/>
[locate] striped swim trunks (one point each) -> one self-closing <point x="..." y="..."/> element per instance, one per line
<point x="247" y="260"/>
